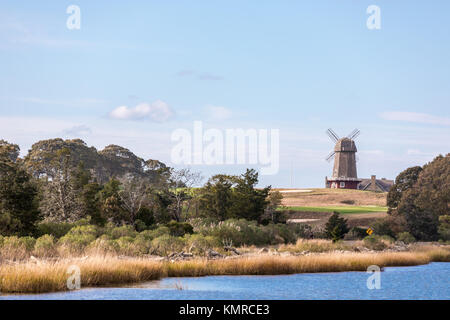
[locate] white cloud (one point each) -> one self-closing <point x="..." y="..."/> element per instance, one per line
<point x="218" y="113"/>
<point x="415" y="117"/>
<point x="158" y="111"/>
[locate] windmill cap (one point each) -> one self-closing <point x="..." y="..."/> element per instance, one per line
<point x="345" y="145"/>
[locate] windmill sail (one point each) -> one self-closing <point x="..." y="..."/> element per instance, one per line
<point x="354" y="134"/>
<point x="333" y="136"/>
<point x="330" y="156"/>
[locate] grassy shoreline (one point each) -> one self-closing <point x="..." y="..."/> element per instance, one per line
<point x="51" y="276"/>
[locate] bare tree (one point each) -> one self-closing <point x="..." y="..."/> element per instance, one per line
<point x="134" y="195"/>
<point x="60" y="201"/>
<point x="181" y="182"/>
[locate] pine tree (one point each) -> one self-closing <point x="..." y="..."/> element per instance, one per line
<point x="336" y="227"/>
<point x="18" y="199"/>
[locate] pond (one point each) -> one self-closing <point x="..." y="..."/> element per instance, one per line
<point x="419" y="282"/>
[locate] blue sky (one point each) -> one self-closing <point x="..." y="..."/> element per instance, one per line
<point x="297" y="66"/>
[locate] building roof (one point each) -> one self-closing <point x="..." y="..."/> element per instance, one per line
<point x="381" y="184"/>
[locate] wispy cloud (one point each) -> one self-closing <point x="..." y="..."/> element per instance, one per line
<point x="415" y="117"/>
<point x="158" y="111"/>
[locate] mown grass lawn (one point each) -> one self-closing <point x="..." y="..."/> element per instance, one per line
<point x="340" y="209"/>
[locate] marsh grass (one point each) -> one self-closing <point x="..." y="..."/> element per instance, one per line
<point x="318" y="245"/>
<point x="47" y="276"/>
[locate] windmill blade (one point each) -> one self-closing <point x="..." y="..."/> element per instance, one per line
<point x="333" y="136"/>
<point x="330" y="156"/>
<point x="352" y="133"/>
<point x="355" y="133"/>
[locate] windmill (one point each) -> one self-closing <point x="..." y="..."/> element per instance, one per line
<point x="344" y="154"/>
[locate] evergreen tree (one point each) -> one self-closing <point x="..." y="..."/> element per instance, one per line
<point x="336" y="227"/>
<point x="404" y="181"/>
<point x="246" y="201"/>
<point x="18" y="199"/>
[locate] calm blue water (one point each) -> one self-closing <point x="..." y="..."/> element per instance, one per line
<point x="430" y="281"/>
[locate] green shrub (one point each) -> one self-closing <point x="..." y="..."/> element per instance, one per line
<point x="280" y="233"/>
<point x="166" y="244"/>
<point x="243" y="232"/>
<point x="356" y="233"/>
<point x="45" y="246"/>
<point x="179" y="229"/>
<point x="26" y="243"/>
<point x="140" y="225"/>
<point x="142" y="246"/>
<point x="301" y="230"/>
<point x="126" y="246"/>
<point x="199" y="244"/>
<point x="54" y="229"/>
<point x="315" y="245"/>
<point x="78" y="238"/>
<point x="149" y="235"/>
<point x="123" y="231"/>
<point x="382" y="227"/>
<point x="104" y="245"/>
<point x="374" y="242"/>
<point x="387" y="239"/>
<point x="146" y="216"/>
<point x="15" y="248"/>
<point x="444" y="227"/>
<point x="406" y="237"/>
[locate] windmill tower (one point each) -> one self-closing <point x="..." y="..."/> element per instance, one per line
<point x="344" y="170"/>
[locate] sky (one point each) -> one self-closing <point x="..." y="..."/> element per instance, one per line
<point x="135" y="72"/>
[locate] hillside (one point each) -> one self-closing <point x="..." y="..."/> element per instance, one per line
<point x="315" y="206"/>
<point x="331" y="197"/>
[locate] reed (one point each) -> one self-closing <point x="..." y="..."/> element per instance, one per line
<point x="318" y="245"/>
<point x="46" y="276"/>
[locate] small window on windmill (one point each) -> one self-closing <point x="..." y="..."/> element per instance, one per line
<point x="342" y="185"/>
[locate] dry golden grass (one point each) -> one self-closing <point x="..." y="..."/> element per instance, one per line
<point x="318" y="245"/>
<point x="44" y="276"/>
<point x="333" y="197"/>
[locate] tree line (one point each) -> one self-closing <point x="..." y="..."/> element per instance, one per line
<point x="50" y="186"/>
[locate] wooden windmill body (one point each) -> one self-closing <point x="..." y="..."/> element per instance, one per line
<point x="344" y="174"/>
